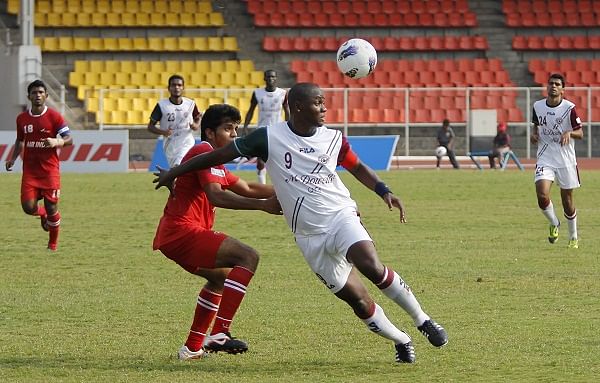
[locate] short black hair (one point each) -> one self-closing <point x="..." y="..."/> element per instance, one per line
<point x="214" y="116"/>
<point x="175" y="77"/>
<point x="300" y="92"/>
<point x="36" y="84"/>
<point x="558" y="76"/>
<point x="446" y="122"/>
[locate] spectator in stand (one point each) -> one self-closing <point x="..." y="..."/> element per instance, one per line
<point x="501" y="145"/>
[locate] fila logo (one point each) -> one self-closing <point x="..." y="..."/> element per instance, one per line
<point x="307" y="150"/>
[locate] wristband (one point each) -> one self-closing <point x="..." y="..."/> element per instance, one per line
<point x="60" y="142"/>
<point x="381" y="189"/>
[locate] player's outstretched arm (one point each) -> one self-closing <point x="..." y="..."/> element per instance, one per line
<point x="369" y="178"/>
<point x="201" y="161"/>
<point x="228" y="200"/>
<point x="252" y="189"/>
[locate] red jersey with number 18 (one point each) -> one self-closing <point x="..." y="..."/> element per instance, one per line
<point x="40" y="161"/>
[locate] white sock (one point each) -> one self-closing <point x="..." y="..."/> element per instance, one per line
<point x="381" y="325"/>
<point x="550" y="214"/>
<point x="572" y="222"/>
<point x="262" y="176"/>
<point x="400" y="293"/>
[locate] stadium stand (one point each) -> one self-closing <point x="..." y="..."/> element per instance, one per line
<point x="556" y="43"/>
<point x="552" y="13"/>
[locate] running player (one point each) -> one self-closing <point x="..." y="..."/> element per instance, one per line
<point x="556" y="123"/>
<point x="185" y="235"/>
<point x="40" y="132"/>
<point x="270" y="100"/>
<point x="179" y="118"/>
<point x="302" y="156"/>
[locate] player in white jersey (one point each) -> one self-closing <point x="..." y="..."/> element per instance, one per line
<point x="556" y="124"/>
<point x="301" y="156"/>
<point x="179" y="118"/>
<point x="270" y="100"/>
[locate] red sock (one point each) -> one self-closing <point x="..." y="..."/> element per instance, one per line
<point x="53" y="229"/>
<point x="235" y="288"/>
<point x="206" y="309"/>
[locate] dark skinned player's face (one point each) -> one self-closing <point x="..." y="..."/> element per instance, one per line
<point x="313" y="108"/>
<point x="38" y="96"/>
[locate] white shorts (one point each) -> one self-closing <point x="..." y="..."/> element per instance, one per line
<point x="326" y="253"/>
<point x="566" y="178"/>
<point x="175" y="148"/>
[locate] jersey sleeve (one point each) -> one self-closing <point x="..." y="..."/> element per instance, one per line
<point x="60" y="125"/>
<point x="156" y="114"/>
<point x="534" y="118"/>
<point x="575" y="120"/>
<point x="347" y="158"/>
<point x="195" y="112"/>
<point x="20" y="133"/>
<point x="254" y="144"/>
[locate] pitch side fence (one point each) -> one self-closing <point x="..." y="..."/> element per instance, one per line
<point x="587" y="101"/>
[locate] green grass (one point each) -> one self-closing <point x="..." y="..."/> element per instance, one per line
<point x="107" y="308"/>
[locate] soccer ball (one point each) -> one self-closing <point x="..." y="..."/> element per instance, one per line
<point x="356" y="58"/>
<point x="440" y="151"/>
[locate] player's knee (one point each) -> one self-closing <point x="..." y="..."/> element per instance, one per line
<point x="543" y="201"/>
<point x="248" y="259"/>
<point x="29" y="208"/>
<point x="362" y="306"/>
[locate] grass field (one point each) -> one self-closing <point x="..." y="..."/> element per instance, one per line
<point x="474" y="250"/>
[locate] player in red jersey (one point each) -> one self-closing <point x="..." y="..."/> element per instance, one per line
<point x="40" y="132"/>
<point x="185" y="235"/>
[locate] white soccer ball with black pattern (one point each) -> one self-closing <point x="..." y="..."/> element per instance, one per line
<point x="356" y="58"/>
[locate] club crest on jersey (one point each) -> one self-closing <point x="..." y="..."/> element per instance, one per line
<point x="307" y="150"/>
<point x="324" y="159"/>
<point x="559" y="121"/>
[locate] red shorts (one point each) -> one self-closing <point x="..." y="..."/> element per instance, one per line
<point x="197" y="249"/>
<point x="33" y="188"/>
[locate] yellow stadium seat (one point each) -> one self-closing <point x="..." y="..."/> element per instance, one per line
<point x="202" y="66"/>
<point x="204" y="7"/>
<point x="50" y="44"/>
<point x="122" y="78"/>
<point x="216" y="19"/>
<point x="212" y="78"/>
<point x="13" y="6"/>
<point x="127" y="66"/>
<point x="110" y="44"/>
<point x="154" y="79"/>
<point x="123" y="104"/>
<point x="40" y="19"/>
<point x="138" y="78"/>
<point x="217" y="66"/>
<point x="98" y="20"/>
<point x="141" y="66"/>
<point x="81" y="66"/>
<point x="172" y="66"/>
<point x="146" y="6"/>
<point x="200" y="44"/>
<point x="90" y="78"/>
<point x="143" y="19"/>
<point x="170" y="44"/>
<point x="125" y="43"/>
<point x="196" y="79"/>
<point x="200" y="19"/>
<point x="187" y="67"/>
<point x="75" y="79"/>
<point x="232" y="65"/>
<point x="106" y="78"/>
<point x="96" y="44"/>
<point x="230" y="44"/>
<point x="91" y="104"/>
<point x="140" y="43"/>
<point x="157" y="66"/>
<point x="242" y="78"/>
<point x="53" y="19"/>
<point x="161" y="7"/>
<point x="88" y="6"/>
<point x="80" y="44"/>
<point x="185" y="44"/>
<point x="215" y="44"/>
<point x="69" y="19"/>
<point x="257" y="78"/>
<point x="128" y="19"/>
<point x="65" y="44"/>
<point x="140" y="104"/>
<point x="189" y="7"/>
<point x="112" y="66"/>
<point x="59" y="6"/>
<point x="118" y="6"/>
<point x="113" y="19"/>
<point x="227" y="79"/>
<point x="155" y="44"/>
<point x="103" y="6"/>
<point x="246" y="65"/>
<point x="39" y="42"/>
<point x="96" y="66"/>
<point x="175" y="7"/>
<point x="82" y="20"/>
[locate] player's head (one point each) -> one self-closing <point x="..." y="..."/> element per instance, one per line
<point x="501" y="127"/>
<point x="219" y="124"/>
<point x="37" y="93"/>
<point x="446" y="123"/>
<point x="175" y="85"/>
<point x="307" y="104"/>
<point x="556" y="85"/>
<point x="270" y="79"/>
